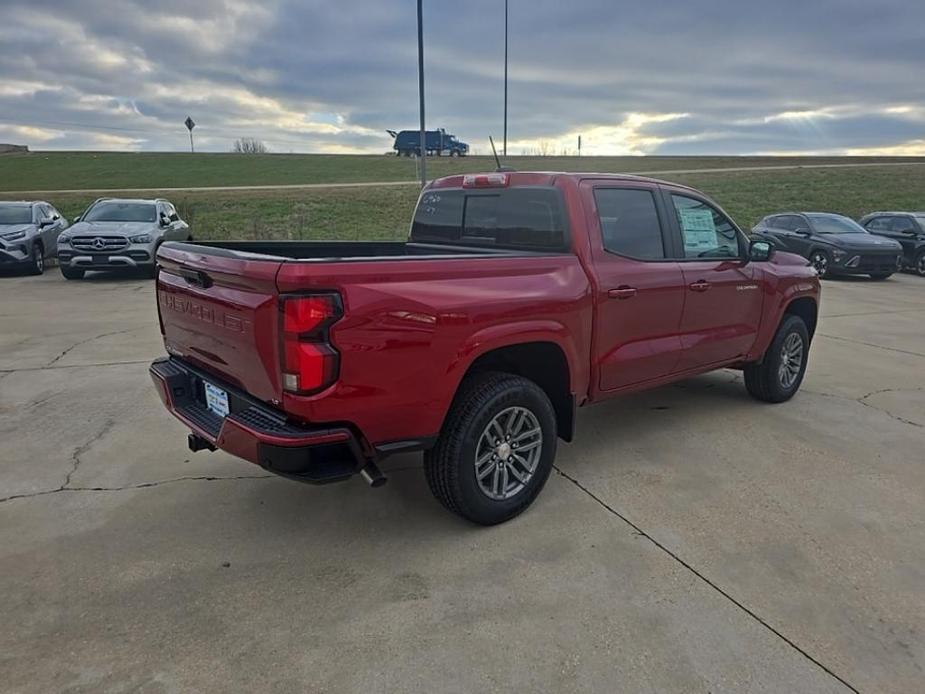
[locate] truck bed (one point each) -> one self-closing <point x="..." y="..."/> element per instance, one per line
<point x="413" y="313"/>
<point x="342" y="250"/>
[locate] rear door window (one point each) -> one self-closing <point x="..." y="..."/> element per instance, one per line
<point x="789" y="222"/>
<point x="629" y="223"/>
<point x="516" y="218"/>
<point x="902" y="224"/>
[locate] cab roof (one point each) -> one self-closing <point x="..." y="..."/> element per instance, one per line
<point x="549" y="178"/>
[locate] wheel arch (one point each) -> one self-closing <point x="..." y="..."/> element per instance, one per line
<point x="806" y="308"/>
<point x="545" y="363"/>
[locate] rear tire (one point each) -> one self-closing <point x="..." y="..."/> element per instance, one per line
<point x="485" y="404"/>
<point x="779" y="375"/>
<point x="37" y="265"/>
<point x="72" y="273"/>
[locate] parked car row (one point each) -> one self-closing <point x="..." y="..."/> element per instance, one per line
<point x="112" y="234"/>
<point x="881" y="244"/>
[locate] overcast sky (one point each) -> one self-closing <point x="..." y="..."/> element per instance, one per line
<point x="665" y="77"/>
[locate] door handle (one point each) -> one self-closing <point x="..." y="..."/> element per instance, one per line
<point x="700" y="286"/>
<point x="623" y="292"/>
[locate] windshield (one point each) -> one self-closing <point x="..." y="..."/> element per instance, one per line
<point x="833" y="224"/>
<point x="920" y="218"/>
<point x="15" y="214"/>
<point x="121" y="212"/>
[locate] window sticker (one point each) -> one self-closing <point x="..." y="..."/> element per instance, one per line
<point x="699" y="229"/>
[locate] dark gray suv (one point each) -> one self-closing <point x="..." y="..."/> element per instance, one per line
<point x="907" y="228"/>
<point x="833" y="244"/>
<point x="29" y="234"/>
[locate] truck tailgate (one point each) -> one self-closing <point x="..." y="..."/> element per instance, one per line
<point x="221" y="313"/>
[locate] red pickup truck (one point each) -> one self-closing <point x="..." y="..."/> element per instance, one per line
<point x="518" y="298"/>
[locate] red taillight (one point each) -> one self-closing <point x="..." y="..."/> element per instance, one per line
<point x="310" y="363"/>
<point x="492" y="180"/>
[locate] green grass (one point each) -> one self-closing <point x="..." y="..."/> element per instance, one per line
<point x="100" y="170"/>
<point x="385" y="213"/>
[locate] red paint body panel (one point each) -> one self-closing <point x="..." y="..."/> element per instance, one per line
<point x="411" y="327"/>
<point x="231" y="327"/>
<point x="722" y="316"/>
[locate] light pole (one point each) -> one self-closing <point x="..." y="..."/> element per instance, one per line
<point x="504" y="149"/>
<point x="423" y="155"/>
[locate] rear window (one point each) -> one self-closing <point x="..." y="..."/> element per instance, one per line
<point x="518" y="218"/>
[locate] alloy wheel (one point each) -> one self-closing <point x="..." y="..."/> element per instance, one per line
<point x="508" y="453"/>
<point x="791" y="360"/>
<point x="820" y="262"/>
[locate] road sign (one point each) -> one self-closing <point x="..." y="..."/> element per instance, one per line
<point x="190" y="124"/>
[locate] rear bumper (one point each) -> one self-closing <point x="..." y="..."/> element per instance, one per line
<point x="255" y="432"/>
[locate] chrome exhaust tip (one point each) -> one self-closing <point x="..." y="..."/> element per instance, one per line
<point x="373" y="475"/>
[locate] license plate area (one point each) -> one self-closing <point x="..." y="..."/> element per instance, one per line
<point x="216" y="399"/>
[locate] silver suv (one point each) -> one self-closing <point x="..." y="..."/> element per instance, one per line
<point x="29" y="234"/>
<point x="117" y="233"/>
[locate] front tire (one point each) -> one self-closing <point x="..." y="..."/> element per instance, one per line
<point x="820" y="262"/>
<point x="779" y="375"/>
<point x="496" y="449"/>
<point x="72" y="273"/>
<point x="918" y="265"/>
<point x="37" y="265"/>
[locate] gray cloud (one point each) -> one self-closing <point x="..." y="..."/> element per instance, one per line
<point x="307" y="75"/>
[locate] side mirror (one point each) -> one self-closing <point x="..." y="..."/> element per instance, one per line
<point x="163" y="220"/>
<point x="760" y="251"/>
<point x="76" y="219"/>
<point x="46" y="222"/>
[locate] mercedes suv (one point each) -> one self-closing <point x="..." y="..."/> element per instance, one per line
<point x="118" y="234"/>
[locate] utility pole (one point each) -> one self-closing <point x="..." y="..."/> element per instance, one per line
<point x="423" y="156"/>
<point x="504" y="148"/>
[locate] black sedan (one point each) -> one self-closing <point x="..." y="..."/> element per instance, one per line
<point x="833" y="244"/>
<point x="908" y="228"/>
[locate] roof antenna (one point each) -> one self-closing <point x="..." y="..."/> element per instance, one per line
<point x="498" y="161"/>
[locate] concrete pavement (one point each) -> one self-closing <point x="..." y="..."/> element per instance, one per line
<point x="692" y="539"/>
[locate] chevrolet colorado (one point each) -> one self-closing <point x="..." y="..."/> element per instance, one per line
<point x="518" y="298"/>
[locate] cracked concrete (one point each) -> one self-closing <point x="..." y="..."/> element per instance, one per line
<point x="691" y="540"/>
<point x="88" y="340"/>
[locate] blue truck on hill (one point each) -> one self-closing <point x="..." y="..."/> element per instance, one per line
<point x="436" y="143"/>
